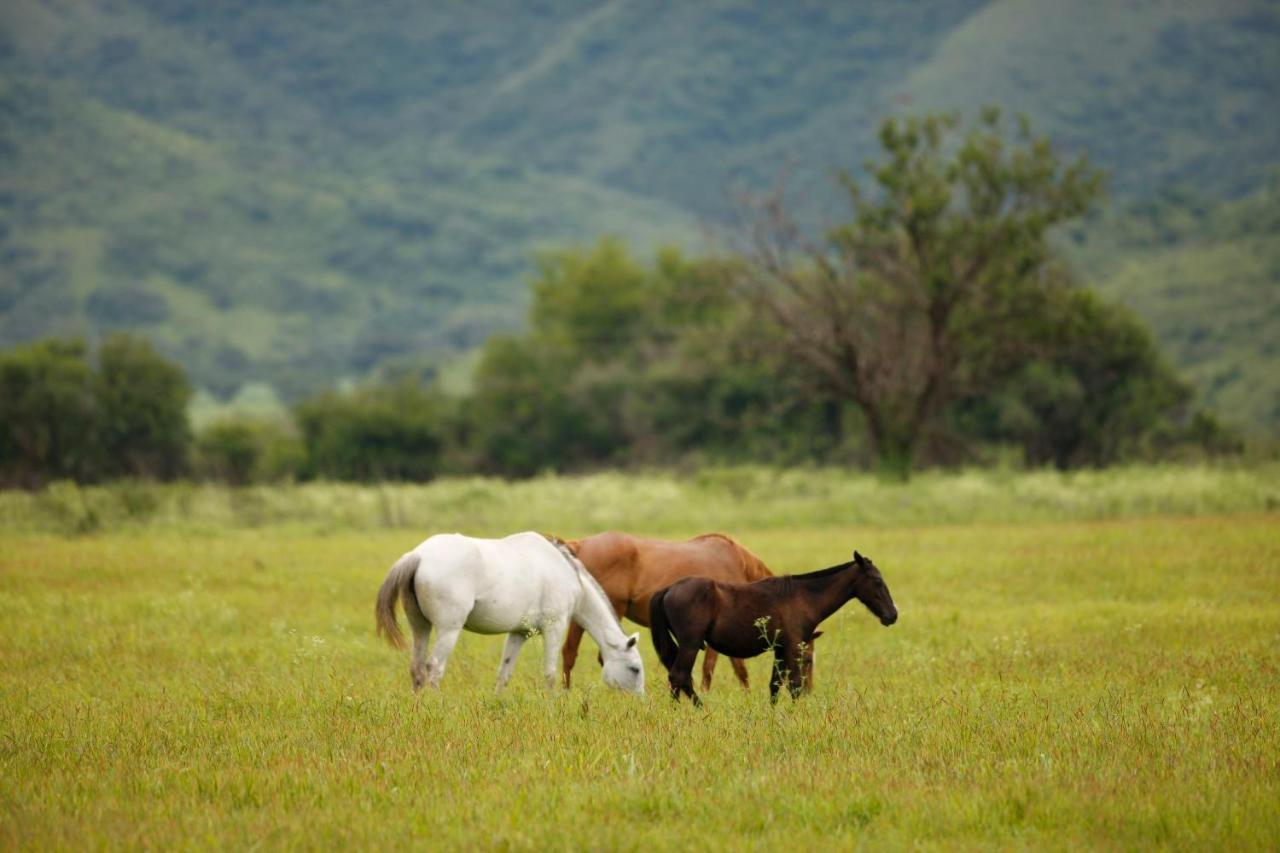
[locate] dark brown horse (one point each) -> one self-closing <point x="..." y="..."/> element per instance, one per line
<point x="631" y="569"/>
<point x="743" y="620"/>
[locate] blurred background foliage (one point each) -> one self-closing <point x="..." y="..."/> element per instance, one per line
<point x="332" y="215"/>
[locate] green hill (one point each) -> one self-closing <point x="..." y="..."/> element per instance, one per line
<point x="300" y="193"/>
<point x="1206" y="277"/>
<point x="1158" y="93"/>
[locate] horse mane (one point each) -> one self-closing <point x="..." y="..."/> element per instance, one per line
<point x="822" y="573"/>
<point x="584" y="576"/>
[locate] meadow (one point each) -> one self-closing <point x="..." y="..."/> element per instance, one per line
<point x="1081" y="661"/>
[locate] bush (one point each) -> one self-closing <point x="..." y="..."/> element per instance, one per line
<point x="393" y="432"/>
<point x="243" y="451"/>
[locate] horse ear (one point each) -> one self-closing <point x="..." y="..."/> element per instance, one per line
<point x="858" y="558"/>
<point x="632" y="640"/>
<point x="816" y="635"/>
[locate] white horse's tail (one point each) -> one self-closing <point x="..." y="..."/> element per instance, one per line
<point x="399" y="584"/>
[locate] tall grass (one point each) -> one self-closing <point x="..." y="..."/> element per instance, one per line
<point x="711" y="499"/>
<point x="1063" y="685"/>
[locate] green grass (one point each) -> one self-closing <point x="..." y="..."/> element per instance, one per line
<point x="1056" y="684"/>
<point x="728" y="498"/>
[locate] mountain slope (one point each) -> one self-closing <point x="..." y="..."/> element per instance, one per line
<point x="300" y="192"/>
<point x="1155" y="92"/>
<point x="1206" y="277"/>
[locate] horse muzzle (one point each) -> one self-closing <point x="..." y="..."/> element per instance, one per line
<point x="889" y="618"/>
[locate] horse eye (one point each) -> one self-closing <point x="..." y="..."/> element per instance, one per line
<point x="634" y="669"/>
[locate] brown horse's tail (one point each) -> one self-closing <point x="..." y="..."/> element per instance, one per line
<point x="399" y="584"/>
<point x="660" y="630"/>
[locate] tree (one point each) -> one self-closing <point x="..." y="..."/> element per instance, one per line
<point x="628" y="363"/>
<point x="47" y="413"/>
<point x="1099" y="391"/>
<point x="142" y="427"/>
<point x="924" y="297"/>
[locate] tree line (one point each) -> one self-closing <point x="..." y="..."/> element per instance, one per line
<point x="937" y="326"/>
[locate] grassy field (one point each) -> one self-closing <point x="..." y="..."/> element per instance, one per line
<point x="1051" y="683"/>
<point x="725" y="498"/>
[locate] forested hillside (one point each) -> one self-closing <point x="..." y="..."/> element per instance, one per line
<point x="1206" y="277"/>
<point x="299" y="193"/>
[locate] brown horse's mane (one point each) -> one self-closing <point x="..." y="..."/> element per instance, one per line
<point x="822" y="573"/>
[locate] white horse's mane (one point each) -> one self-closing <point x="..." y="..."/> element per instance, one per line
<point x="584" y="576"/>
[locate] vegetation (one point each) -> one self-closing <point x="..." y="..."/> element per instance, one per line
<point x="628" y="365"/>
<point x="1203" y="275"/>
<point x="1052" y="684"/>
<point x="392" y="433"/>
<point x="60" y="417"/>
<point x="267" y="196"/>
<point x="938" y="285"/>
<point x="936" y="326"/>
<point x="713" y="498"/>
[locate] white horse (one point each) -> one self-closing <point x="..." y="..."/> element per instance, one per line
<point x="521" y="585"/>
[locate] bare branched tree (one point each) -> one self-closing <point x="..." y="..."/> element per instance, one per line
<point x="932" y="288"/>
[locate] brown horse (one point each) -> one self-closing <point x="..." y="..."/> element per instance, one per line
<point x="631" y="569"/>
<point x="747" y="619"/>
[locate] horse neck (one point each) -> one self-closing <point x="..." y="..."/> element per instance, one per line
<point x="826" y="595"/>
<point x="594" y="613"/>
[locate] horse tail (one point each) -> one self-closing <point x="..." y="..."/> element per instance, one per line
<point x="660" y="630"/>
<point x="399" y="584"/>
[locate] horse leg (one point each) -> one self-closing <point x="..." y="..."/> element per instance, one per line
<point x="708" y="667"/>
<point x="440" y="651"/>
<point x="421" y="629"/>
<point x="775" y="677"/>
<point x="418" y="660"/>
<point x="787" y="663"/>
<point x="570" y="653"/>
<point x="680" y="678"/>
<point x="515" y="641"/>
<point x="553" y="639"/>
<point x="795" y="671"/>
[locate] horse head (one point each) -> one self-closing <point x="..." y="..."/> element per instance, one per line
<point x="623" y="667"/>
<point x="870" y="589"/>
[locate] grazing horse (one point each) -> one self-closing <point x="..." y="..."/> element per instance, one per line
<point x="631" y="569"/>
<point x="519" y="586"/>
<point x="746" y="619"/>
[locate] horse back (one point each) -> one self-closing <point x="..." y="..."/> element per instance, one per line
<point x="524" y="563"/>
<point x="752" y="568"/>
<point x="711" y="555"/>
<point x="631" y="569"/>
<point x="727" y="616"/>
